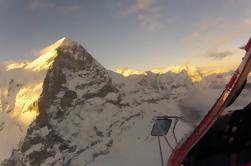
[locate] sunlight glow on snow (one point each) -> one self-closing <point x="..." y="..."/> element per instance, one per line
<point x="128" y="72"/>
<point x="15" y="65"/>
<point x="26" y="105"/>
<point x="195" y="73"/>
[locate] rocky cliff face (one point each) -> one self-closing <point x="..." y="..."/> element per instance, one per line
<point x="87" y="115"/>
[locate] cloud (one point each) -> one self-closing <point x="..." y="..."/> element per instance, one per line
<point x="38" y="4"/>
<point x="206" y="35"/>
<point x="150" y="22"/>
<point x="218" y="40"/>
<point x="73" y="8"/>
<point x="199" y="39"/>
<point x="230" y="2"/>
<point x="146" y="12"/>
<point x="247" y="22"/>
<point x="194" y="36"/>
<point x="218" y="55"/>
<point x="207" y="38"/>
<point x="210" y="23"/>
<point x="47" y="4"/>
<point x="139" y="5"/>
<point x="201" y="97"/>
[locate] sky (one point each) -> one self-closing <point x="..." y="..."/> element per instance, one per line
<point x="138" y="34"/>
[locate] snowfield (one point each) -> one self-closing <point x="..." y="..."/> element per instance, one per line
<point x="65" y="108"/>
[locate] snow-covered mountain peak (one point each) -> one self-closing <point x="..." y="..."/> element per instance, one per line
<point x="45" y="58"/>
<point x="59" y="43"/>
<point x="191" y="70"/>
<point x="22" y="83"/>
<point x="65" y="46"/>
<point x="125" y="71"/>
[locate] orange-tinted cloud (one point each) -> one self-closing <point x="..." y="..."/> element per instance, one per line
<point x="213" y="33"/>
<point x="218" y="55"/>
<point x="247" y="22"/>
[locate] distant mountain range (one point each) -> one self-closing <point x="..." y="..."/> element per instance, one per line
<point x="195" y="73"/>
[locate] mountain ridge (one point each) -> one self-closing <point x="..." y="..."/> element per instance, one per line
<point x="196" y="73"/>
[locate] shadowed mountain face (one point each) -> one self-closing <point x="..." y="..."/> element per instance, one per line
<point x="87" y="115"/>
